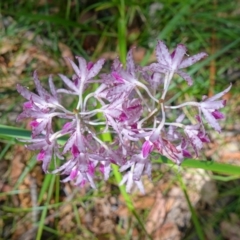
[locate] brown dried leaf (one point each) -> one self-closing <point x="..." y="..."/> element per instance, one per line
<point x="166" y="232"/>
<point x="17" y="163"/>
<point x="7" y="45"/>
<point x="66" y="53"/>
<point x="157" y="214"/>
<point x="144" y="202"/>
<point x="230" y="230"/>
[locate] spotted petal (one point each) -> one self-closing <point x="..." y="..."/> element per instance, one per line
<point x="191" y="60"/>
<point x="162" y="53"/>
<point x="96" y="68"/>
<point x="211" y="120"/>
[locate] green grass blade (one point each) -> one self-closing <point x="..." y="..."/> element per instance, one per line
<point x="4" y="150"/>
<point x="214" y="56"/>
<point x="14" y="132"/>
<point x="196" y="222"/>
<point x="122" y="40"/>
<point x="45" y="18"/>
<point x="122" y="32"/>
<point x="224" y="178"/>
<point x="50" y="230"/>
<point x="174" y="22"/>
<point x="206" y="165"/>
<point x="14" y="192"/>
<point x="26" y="170"/>
<point x="45" y="187"/>
<point x="44" y="212"/>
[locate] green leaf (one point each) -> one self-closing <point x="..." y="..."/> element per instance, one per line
<point x="8" y="131"/>
<point x="19" y="133"/>
<point x="197" y="225"/>
<point x="44" y="211"/>
<point x="207" y="165"/>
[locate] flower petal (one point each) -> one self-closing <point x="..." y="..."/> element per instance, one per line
<point x="211" y="120"/>
<point x="185" y="76"/>
<point x="68" y="82"/>
<point x="191" y="60"/>
<point x="177" y="56"/>
<point x="218" y="115"/>
<point x="213" y="104"/>
<point x="130" y="63"/>
<point x="83" y="68"/>
<point x="157" y="67"/>
<point x="29" y="95"/>
<point x="140" y="186"/>
<point x="147" y="148"/>
<point x="129" y="182"/>
<point x="52" y="87"/>
<point x="162" y="54"/>
<point x="127" y="165"/>
<point x="75" y="68"/>
<point x="41" y="91"/>
<point x="96" y="68"/>
<point x="219" y="95"/>
<point x="69" y="143"/>
<point x="138" y="171"/>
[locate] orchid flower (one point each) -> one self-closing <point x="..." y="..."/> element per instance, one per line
<point x="210" y="107"/>
<point x="128" y="103"/>
<point x="173" y="62"/>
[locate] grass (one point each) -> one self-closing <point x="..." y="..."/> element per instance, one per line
<point x="90" y="29"/>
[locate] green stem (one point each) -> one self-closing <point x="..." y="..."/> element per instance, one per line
<point x="122" y="33"/>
